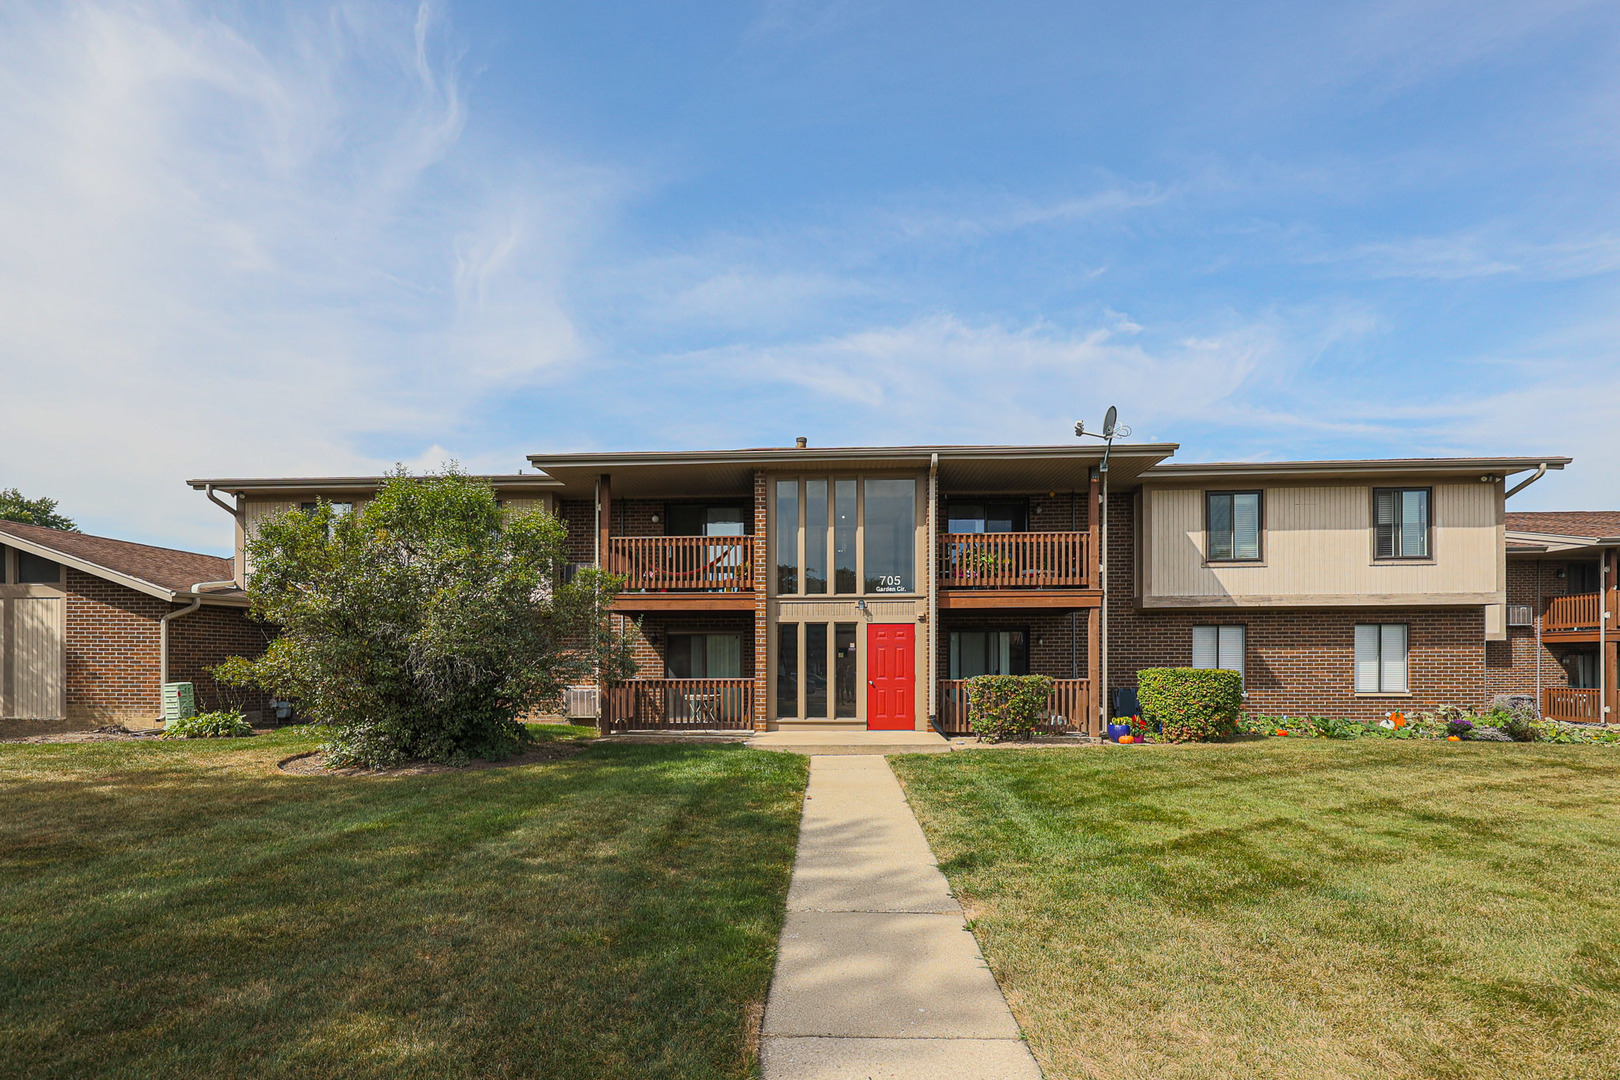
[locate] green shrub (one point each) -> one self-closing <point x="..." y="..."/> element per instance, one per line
<point x="1007" y="706"/>
<point x="1191" y="704"/>
<point x="1557" y="731"/>
<point x="226" y="724"/>
<point x="1336" y="727"/>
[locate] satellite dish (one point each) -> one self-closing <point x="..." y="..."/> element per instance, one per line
<point x="1108" y="422"/>
<point x="1079" y="427"/>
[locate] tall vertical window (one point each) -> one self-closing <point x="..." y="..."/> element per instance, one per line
<point x="1381" y="650"/>
<point x="988" y="652"/>
<point x="891" y="535"/>
<point x="815" y="536"/>
<point x="1219" y="647"/>
<point x="815" y="670"/>
<point x="844" y="537"/>
<point x="1401" y="523"/>
<point x="787" y="669"/>
<point x="1232" y="521"/>
<point x="786" y="541"/>
<point x="844" y="666"/>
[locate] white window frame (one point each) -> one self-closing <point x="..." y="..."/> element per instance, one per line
<point x="1400" y="527"/>
<point x="1377" y="669"/>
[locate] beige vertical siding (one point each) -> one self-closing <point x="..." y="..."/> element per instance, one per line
<point x="253" y="513"/>
<point x="1318" y="550"/>
<point x="35" y="657"/>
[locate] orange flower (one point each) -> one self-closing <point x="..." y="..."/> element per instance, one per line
<point x="1282" y="731"/>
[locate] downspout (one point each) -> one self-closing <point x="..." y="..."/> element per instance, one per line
<point x="1522" y="484"/>
<point x="195" y="592"/>
<point x="236" y="512"/>
<point x="933" y="591"/>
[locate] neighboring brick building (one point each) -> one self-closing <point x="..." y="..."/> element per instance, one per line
<point x="861" y="586"/>
<point x="83" y="629"/>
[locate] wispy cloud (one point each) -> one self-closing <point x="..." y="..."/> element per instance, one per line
<point x="257" y="247"/>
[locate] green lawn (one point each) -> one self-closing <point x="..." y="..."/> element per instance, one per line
<point x="1293" y="909"/>
<point x="183" y="909"/>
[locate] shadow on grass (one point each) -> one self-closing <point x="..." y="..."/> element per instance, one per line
<point x="193" y="911"/>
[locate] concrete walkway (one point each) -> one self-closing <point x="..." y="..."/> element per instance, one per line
<point x="877" y="977"/>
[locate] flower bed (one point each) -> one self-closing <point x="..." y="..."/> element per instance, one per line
<point x="1447" y="722"/>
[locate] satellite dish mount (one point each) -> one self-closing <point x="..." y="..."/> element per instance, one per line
<point x="1111" y="429"/>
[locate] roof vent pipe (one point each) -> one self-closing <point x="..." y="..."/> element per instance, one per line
<point x="801" y="442"/>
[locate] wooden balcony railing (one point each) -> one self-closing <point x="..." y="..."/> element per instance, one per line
<point x="696" y="563"/>
<point x="1579" y="612"/>
<point x="1562" y="703"/>
<point x="679" y="704"/>
<point x="1027" y="560"/>
<point x="1068" y="709"/>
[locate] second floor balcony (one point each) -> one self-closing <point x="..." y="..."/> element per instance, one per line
<point x="722" y="564"/>
<point x="1577" y="612"/>
<point x="1016" y="560"/>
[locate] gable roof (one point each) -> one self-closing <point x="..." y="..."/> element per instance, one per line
<point x="1588" y="523"/>
<point x="166" y="573"/>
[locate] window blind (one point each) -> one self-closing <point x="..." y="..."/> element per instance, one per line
<point x="1246" y="525"/>
<point x="1392" y="658"/>
<point x="1366" y="658"/>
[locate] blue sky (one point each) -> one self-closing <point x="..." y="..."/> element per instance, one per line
<point x="322" y="238"/>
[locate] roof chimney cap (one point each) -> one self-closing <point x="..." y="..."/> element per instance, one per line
<point x="801" y="442"/>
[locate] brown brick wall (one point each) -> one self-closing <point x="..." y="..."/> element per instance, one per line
<point x="762" y="544"/>
<point x="634" y="517"/>
<point x="1298" y="660"/>
<point x="1512" y="663"/>
<point x="579" y="518"/>
<point x="111" y="638"/>
<point x="206" y="638"/>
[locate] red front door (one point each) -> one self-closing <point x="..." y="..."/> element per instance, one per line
<point x="891" y="698"/>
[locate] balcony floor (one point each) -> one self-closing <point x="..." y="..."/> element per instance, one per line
<point x="684" y="601"/>
<point x="1018" y="599"/>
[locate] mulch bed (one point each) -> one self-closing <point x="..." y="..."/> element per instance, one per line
<point x="111" y="733"/>
<point x="314" y="763"/>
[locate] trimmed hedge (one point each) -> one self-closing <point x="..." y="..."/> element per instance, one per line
<point x="1191" y="704"/>
<point x="1007" y="706"/>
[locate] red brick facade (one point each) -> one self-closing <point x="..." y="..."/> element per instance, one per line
<point x="111" y="637"/>
<point x="113" y="653"/>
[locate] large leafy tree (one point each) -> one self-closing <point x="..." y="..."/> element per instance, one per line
<point x="425" y="624"/>
<point x="41" y="511"/>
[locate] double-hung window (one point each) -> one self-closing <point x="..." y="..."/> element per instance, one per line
<point x="1381" y="658"/>
<point x="1232" y="524"/>
<point x="1401" y="523"/>
<point x="1219" y="647"/>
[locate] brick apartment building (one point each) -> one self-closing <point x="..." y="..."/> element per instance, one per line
<point x="861" y="587"/>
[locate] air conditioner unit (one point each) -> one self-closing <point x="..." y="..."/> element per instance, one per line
<point x="1519" y="615"/>
<point x="580" y="703"/>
